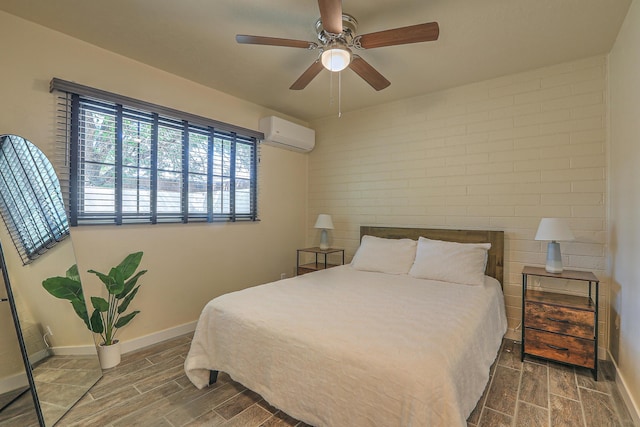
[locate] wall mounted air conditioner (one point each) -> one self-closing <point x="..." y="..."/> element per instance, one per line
<point x="284" y="134"/>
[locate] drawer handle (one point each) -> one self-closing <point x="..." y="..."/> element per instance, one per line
<point x="553" y="319"/>
<point x="555" y="347"/>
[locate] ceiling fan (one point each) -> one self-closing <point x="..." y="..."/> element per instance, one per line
<point x="336" y="39"/>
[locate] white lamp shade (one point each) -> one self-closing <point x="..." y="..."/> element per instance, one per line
<point x="554" y="229"/>
<point x="336" y="59"/>
<point x="324" y="221"/>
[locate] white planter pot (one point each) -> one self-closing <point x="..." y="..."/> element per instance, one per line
<point x="109" y="355"/>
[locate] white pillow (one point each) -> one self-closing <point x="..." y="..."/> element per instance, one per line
<point x="450" y="261"/>
<point x="392" y="256"/>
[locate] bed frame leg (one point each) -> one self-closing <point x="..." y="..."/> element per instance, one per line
<point x="213" y="377"/>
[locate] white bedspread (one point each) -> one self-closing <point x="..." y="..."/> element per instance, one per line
<point x="342" y="347"/>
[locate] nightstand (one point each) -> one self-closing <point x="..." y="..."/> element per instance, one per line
<point x="561" y="327"/>
<point x="321" y="264"/>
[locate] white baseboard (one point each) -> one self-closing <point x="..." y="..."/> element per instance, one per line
<point x="131" y="345"/>
<point x="76" y="350"/>
<point x="13" y="382"/>
<point x="36" y="357"/>
<point x="626" y="396"/>
<point x="156" y="337"/>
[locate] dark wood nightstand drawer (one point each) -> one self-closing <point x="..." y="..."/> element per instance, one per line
<point x="565" y="320"/>
<point x="563" y="348"/>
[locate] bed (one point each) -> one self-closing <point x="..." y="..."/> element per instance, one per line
<point x="348" y="346"/>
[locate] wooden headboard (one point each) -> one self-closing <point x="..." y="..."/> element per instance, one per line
<point x="495" y="261"/>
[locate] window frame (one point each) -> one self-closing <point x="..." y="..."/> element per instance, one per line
<point x="242" y="142"/>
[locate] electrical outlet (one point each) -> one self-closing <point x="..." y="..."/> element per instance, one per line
<point x="283" y="276"/>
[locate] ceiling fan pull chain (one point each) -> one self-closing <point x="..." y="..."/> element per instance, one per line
<point x="339" y="94"/>
<point x="331" y="97"/>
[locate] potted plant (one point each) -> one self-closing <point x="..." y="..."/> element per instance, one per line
<point x="108" y="314"/>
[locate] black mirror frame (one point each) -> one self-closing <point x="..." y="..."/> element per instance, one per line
<point x="23" y="348"/>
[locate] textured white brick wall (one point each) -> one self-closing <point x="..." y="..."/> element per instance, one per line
<point x="498" y="154"/>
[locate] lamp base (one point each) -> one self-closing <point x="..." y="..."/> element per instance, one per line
<point x="324" y="240"/>
<point x="554" y="258"/>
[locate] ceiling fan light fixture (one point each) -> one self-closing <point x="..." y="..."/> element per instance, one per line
<point x="336" y="58"/>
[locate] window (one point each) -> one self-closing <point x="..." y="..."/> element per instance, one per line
<point x="134" y="162"/>
<point x="30" y="199"/>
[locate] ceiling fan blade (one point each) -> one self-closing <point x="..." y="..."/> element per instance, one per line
<point x="307" y="76"/>
<point x="331" y="15"/>
<point x="274" y="41"/>
<point x="405" y="35"/>
<point x="368" y="73"/>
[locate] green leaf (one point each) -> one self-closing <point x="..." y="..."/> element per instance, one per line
<point x="96" y="323"/>
<point x="118" y="281"/>
<point x="126" y="319"/>
<point x="130" y="284"/>
<point x="106" y="279"/>
<point x="81" y="310"/>
<point x="109" y="281"/>
<point x="129" y="265"/>
<point x="122" y="308"/>
<point x="100" y="304"/>
<point x="72" y="273"/>
<point x="63" y="288"/>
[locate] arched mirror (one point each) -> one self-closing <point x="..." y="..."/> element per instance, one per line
<point x="60" y="362"/>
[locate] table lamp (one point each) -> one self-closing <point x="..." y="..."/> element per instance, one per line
<point x="324" y="222"/>
<point x="554" y="229"/>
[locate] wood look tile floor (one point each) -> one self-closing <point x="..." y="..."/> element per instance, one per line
<point x="149" y="388"/>
<point x="61" y="381"/>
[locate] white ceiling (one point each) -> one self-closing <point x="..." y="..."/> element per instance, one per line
<point x="195" y="39"/>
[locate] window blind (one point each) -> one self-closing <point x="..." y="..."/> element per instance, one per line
<point x="133" y="163"/>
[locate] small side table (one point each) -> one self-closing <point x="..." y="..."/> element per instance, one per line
<point x="321" y="264"/>
<point x="561" y="327"/>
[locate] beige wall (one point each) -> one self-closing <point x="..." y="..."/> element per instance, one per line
<point x="624" y="226"/>
<point x="188" y="264"/>
<point x="35" y="306"/>
<point x="499" y="154"/>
